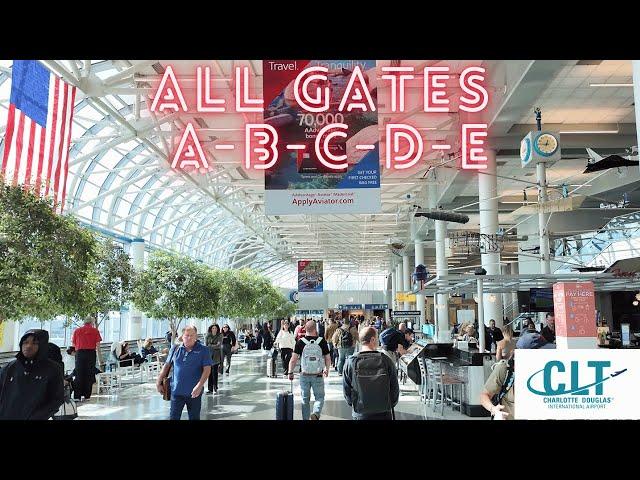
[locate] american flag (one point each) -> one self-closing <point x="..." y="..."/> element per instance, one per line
<point x="38" y="134"/>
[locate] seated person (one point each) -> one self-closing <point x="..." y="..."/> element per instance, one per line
<point x="148" y="348"/>
<point x="469" y="334"/>
<point x="125" y="357"/>
<point x="70" y="362"/>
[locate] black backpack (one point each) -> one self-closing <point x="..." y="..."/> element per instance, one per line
<point x="371" y="383"/>
<point x="346" y="339"/>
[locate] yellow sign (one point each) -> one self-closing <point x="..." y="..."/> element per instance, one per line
<point x="405" y="297"/>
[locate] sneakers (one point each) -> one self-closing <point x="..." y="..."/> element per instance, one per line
<point x="314" y="416"/>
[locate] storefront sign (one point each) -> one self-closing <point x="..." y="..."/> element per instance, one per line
<point x="309" y="312"/>
<point x="376" y="306"/>
<point x="575" y="309"/>
<point x="577" y="384"/>
<point x="405" y="297"/>
<point x="350" y="306"/>
<point x="405" y="313"/>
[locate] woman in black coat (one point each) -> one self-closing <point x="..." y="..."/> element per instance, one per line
<point x="228" y="342"/>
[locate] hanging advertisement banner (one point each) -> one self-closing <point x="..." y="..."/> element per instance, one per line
<point x="324" y="113"/>
<point x="310" y="276"/>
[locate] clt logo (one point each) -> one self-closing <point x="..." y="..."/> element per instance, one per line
<point x="556" y="376"/>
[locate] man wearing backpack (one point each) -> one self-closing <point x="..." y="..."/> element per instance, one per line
<point x="370" y="380"/>
<point x="345" y="339"/>
<point x="316" y="361"/>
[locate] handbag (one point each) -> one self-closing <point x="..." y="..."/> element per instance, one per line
<point x="68" y="410"/>
<point x="166" y="381"/>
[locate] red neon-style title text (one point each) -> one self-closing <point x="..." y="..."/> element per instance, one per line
<point x="404" y="144"/>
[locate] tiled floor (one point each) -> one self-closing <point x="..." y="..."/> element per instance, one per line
<point x="245" y="394"/>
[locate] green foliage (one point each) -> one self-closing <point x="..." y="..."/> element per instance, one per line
<point x="45" y="259"/>
<point x="176" y="287"/>
<point x="51" y="266"/>
<point x="112" y="279"/>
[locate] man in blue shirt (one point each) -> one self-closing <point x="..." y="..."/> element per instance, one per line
<point x="191" y="368"/>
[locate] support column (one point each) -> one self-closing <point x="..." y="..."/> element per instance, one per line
<point x="636" y="94"/>
<point x="134" y="327"/>
<point x="506" y="297"/>
<point x="514" y="294"/>
<point x="8" y="331"/>
<point x="481" y="316"/>
<point x="400" y="284"/>
<point x="488" y="192"/>
<point x="405" y="280"/>
<point x="442" y="299"/>
<point x="545" y="259"/>
<point x="419" y="248"/>
<point x="394" y="288"/>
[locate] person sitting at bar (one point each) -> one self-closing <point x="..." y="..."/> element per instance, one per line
<point x="469" y="334"/>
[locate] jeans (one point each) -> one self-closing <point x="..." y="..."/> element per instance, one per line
<point x="343" y="354"/>
<point x="308" y="382"/>
<point x="193" y="406"/>
<point x="285" y="354"/>
<point x="226" y="358"/>
<point x="372" y="416"/>
<point x="213" y="378"/>
<point x="332" y="354"/>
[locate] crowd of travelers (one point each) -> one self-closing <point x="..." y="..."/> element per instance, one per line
<point x="39" y="384"/>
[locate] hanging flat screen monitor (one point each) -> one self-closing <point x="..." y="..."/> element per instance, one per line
<point x="541" y="300"/>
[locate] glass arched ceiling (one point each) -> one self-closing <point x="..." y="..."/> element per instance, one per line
<point x="120" y="182"/>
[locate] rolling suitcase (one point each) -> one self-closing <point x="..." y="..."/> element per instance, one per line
<point x="271" y="368"/>
<point x="284" y="404"/>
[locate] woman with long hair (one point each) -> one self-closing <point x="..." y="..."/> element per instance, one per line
<point x="506" y="346"/>
<point x="267" y="336"/>
<point x="214" y="344"/>
<point x="285" y="341"/>
<point x="228" y="342"/>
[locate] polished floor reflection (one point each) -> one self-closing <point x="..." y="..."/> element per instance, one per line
<point x="246" y="394"/>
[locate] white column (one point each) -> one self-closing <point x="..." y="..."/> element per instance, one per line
<point x="399" y="284"/>
<point x="394" y="288"/>
<point x="514" y="294"/>
<point x="419" y="249"/>
<point x="442" y="300"/>
<point x="506" y="296"/>
<point x="8" y="331"/>
<point x="636" y="95"/>
<point x="545" y="260"/>
<point x="405" y="279"/>
<point x="481" y="315"/>
<point x="488" y="192"/>
<point x="134" y="327"/>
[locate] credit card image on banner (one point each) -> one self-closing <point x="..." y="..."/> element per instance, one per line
<point x="300" y="183"/>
